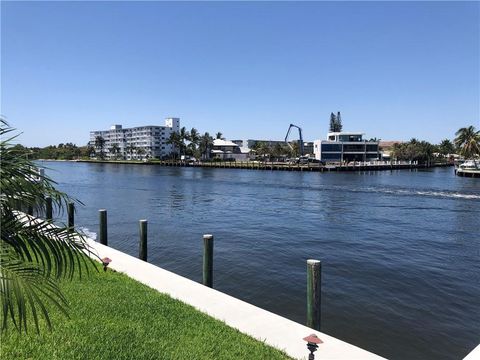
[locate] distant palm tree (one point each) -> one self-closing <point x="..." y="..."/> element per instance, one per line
<point x="100" y="145"/>
<point x="183" y="136"/>
<point x="219" y="136"/>
<point x="130" y="149"/>
<point x="90" y="151"/>
<point x="295" y="150"/>
<point x="206" y="143"/>
<point x="194" y="138"/>
<point x="174" y="140"/>
<point x="141" y="152"/>
<point x="34" y="254"/>
<point x="446" y="147"/>
<point x="114" y="150"/>
<point x="263" y="149"/>
<point x="468" y="141"/>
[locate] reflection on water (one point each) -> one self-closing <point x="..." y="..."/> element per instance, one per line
<point x="400" y="250"/>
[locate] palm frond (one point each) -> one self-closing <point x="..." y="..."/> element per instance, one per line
<point x="25" y="289"/>
<point x="34" y="253"/>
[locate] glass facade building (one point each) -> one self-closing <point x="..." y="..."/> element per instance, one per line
<point x="344" y="147"/>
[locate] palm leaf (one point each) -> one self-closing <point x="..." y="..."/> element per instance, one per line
<point x="34" y="253"/>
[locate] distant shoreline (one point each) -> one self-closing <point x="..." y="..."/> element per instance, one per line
<point x="272" y="166"/>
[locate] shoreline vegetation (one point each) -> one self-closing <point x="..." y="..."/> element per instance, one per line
<point x="115" y="317"/>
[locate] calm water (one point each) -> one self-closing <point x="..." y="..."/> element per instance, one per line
<point x="400" y="250"/>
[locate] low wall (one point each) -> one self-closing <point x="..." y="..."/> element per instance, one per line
<point x="263" y="325"/>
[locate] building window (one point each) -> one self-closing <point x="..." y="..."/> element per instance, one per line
<point x="333" y="156"/>
<point x="331" y="147"/>
<point x="372" y="148"/>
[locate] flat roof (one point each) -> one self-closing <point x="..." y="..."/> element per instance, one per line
<point x="220" y="142"/>
<point x="345" y="133"/>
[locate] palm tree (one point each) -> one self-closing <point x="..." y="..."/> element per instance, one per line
<point x="446" y="147"/>
<point x="263" y="149"/>
<point x="294" y="149"/>
<point x="183" y="136"/>
<point x="100" y="144"/>
<point x="130" y="149"/>
<point x="468" y="141"/>
<point x="219" y="136"/>
<point x="34" y="253"/>
<point x="174" y="140"/>
<point x="141" y="152"/>
<point x="114" y="150"/>
<point x="90" y="151"/>
<point x="206" y="143"/>
<point x="194" y="138"/>
<point x="278" y="151"/>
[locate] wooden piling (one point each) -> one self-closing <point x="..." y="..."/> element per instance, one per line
<point x="208" y="260"/>
<point x="314" y="289"/>
<point x="102" y="233"/>
<point x="71" y="215"/>
<point x="142" y="249"/>
<point x="48" y="208"/>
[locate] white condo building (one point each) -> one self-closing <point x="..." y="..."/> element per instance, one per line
<point x="142" y="142"/>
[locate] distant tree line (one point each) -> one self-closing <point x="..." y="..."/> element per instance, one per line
<point x="67" y="151"/>
<point x="277" y="151"/>
<point x="192" y="143"/>
<point x="466" y="143"/>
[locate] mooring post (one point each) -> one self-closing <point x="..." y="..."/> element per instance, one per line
<point x="48" y="208"/>
<point x="208" y="260"/>
<point x="71" y="215"/>
<point x="314" y="289"/>
<point x="102" y="233"/>
<point x="142" y="250"/>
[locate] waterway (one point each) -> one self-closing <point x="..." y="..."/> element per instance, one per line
<point x="400" y="250"/>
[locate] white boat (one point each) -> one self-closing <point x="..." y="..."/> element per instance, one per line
<point x="469" y="168"/>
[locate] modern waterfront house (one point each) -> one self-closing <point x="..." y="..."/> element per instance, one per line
<point x="346" y="147"/>
<point x="224" y="149"/>
<point x="142" y="142"/>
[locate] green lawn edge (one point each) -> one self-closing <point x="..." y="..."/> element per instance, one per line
<point x="112" y="316"/>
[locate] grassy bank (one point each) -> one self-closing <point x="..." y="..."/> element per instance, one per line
<point x="115" y="317"/>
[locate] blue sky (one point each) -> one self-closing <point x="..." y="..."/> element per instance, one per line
<point x="395" y="70"/>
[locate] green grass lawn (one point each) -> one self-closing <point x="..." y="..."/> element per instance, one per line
<point x="115" y="317"/>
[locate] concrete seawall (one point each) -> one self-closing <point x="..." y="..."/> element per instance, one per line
<point x="263" y="325"/>
<point x="271" y="166"/>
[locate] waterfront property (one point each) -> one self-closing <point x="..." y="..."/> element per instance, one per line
<point x="227" y="150"/>
<point x="346" y="147"/>
<point x="142" y="142"/>
<point x="250" y="143"/>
